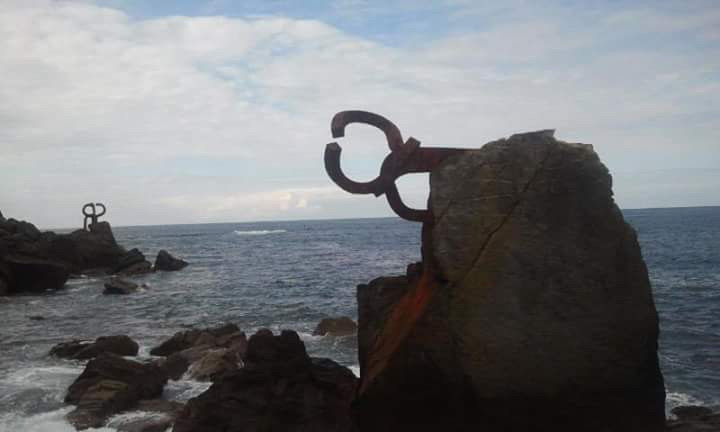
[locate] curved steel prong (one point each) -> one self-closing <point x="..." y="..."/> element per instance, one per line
<point x="103" y="209"/>
<point x="332" y="166"/>
<point x="90" y="205"/>
<point x="344" y="118"/>
<point x="400" y="209"/>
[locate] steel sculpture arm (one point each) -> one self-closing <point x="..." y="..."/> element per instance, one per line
<point x="404" y="158"/>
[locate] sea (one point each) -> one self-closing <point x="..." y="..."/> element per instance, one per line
<point x="290" y="275"/>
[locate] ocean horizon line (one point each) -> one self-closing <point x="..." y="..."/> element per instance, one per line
<point x="334" y="219"/>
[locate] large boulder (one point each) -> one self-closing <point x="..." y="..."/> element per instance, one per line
<point x="279" y="389"/>
<point x="533" y="309"/>
<point x="91" y="249"/>
<point x="82" y="350"/>
<point x="132" y="263"/>
<point x="341" y="326"/>
<point x="33" y="275"/>
<point x="209" y="353"/>
<point x="189" y="338"/>
<point x="165" y="261"/>
<point x="109" y="385"/>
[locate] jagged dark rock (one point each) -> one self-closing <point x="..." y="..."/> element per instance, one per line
<point x="109" y="385"/>
<point x="279" y="389"/>
<point x="32" y="261"/>
<point x="116" y="285"/>
<point x="33" y="275"/>
<point x="209" y="353"/>
<point x="694" y="419"/>
<point x="688" y="412"/>
<point x="341" y="326"/>
<point x="166" y="262"/>
<point x="132" y="263"/>
<point x="82" y="349"/>
<point x="189" y="338"/>
<point x="534" y="310"/>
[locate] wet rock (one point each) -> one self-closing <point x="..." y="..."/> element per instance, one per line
<point x="33" y="275"/>
<point x="209" y="356"/>
<point x="32" y="261"/>
<point x="162" y="406"/>
<point x="151" y="423"/>
<point x="82" y="349"/>
<point x="116" y="285"/>
<point x="279" y="389"/>
<point x="85" y="250"/>
<point x="692" y="419"/>
<point x="533" y="310"/>
<point x="132" y="263"/>
<point x="111" y="384"/>
<point x="4" y="286"/>
<point x="341" y="326"/>
<point x="186" y="339"/>
<point x="214" y="363"/>
<point x="691" y="411"/>
<point x="165" y="261"/>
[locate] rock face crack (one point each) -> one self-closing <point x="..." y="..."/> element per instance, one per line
<point x="507" y="217"/>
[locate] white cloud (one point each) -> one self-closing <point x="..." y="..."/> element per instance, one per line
<point x="99" y="106"/>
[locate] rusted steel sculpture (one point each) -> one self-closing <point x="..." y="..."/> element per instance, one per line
<point x="405" y="157"/>
<point x="89" y="210"/>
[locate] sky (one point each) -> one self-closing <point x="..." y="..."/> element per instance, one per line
<point x="219" y="111"/>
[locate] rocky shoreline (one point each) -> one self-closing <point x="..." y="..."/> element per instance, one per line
<point x="264" y="382"/>
<point x="532" y="310"/>
<point x="32" y="262"/>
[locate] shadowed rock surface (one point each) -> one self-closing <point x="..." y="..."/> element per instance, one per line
<point x="279" y="389"/>
<point x="187" y="339"/>
<point x="111" y="384"/>
<point x="535" y="310"/>
<point x="207" y="353"/>
<point x="132" y="263"/>
<point x="32" y="261"/>
<point x="694" y="419"/>
<point x="166" y="262"/>
<point x="82" y="350"/>
<point x="341" y="326"/>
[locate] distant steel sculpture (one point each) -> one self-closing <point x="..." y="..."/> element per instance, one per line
<point x="92" y="215"/>
<point x="404" y="158"/>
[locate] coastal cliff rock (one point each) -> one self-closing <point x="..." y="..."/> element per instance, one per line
<point x="532" y="310"/>
<point x="111" y="384"/>
<point x="280" y="389"/>
<point x="32" y="261"/>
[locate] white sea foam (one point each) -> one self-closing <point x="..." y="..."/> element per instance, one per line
<point x="307" y="337"/>
<point x="258" y="232"/>
<point x="53" y="421"/>
<point x="185" y="389"/>
<point x="674" y="399"/>
<point x="43" y="376"/>
<point x="355" y="369"/>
